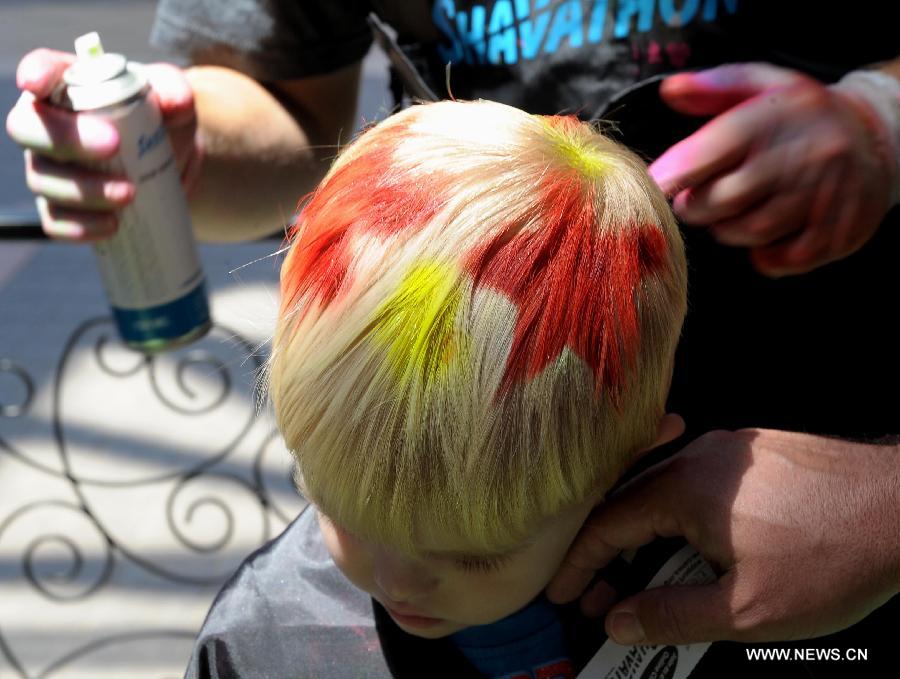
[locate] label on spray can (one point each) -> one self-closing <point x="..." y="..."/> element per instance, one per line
<point x="150" y="268"/>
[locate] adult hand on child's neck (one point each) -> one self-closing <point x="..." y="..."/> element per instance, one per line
<point x="802" y="528"/>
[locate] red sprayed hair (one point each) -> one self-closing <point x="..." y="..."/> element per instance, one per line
<point x="366" y="196"/>
<point x="551" y="275"/>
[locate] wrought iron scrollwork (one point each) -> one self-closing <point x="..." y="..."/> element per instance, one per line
<point x="206" y="496"/>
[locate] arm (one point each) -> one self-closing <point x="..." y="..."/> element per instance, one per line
<point x="247" y="152"/>
<point x="264" y="149"/>
<point x="802" y="529"/>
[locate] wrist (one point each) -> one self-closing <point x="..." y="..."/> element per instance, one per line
<point x="876" y="96"/>
<point x="894" y="484"/>
<point x="886" y="489"/>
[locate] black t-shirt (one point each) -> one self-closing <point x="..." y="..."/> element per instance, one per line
<point x="544" y="56"/>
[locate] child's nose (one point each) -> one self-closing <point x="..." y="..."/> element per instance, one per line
<point x="400" y="578"/>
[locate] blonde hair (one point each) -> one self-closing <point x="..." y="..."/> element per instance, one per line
<point x="479" y="313"/>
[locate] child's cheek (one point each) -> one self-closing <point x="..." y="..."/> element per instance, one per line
<point x="488" y="597"/>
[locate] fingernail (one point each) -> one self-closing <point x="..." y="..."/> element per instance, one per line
<point x="118" y="192"/>
<point x="663" y="174"/>
<point x="626" y="629"/>
<point x="96" y="134"/>
<point x="660" y="175"/>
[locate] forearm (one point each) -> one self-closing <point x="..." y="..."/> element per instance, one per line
<point x="258" y="158"/>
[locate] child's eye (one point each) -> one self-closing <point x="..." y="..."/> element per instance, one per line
<point x="482" y="565"/>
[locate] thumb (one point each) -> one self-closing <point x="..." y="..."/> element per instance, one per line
<point x="715" y="90"/>
<point x="675" y="615"/>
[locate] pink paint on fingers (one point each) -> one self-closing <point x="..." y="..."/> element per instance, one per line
<point x="718" y="146"/>
<point x="716" y="90"/>
<point x="671" y="169"/>
<point x="41" y="70"/>
<point x="172" y="92"/>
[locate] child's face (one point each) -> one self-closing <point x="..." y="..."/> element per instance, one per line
<point x="453" y="589"/>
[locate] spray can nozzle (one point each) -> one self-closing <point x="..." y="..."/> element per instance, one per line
<point x="88" y="46"/>
<point x="93" y="67"/>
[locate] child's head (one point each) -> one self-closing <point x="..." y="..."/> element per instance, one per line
<point x="479" y="315"/>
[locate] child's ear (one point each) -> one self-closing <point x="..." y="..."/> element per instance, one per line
<point x="671" y="426"/>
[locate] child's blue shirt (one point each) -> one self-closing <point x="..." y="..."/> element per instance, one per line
<point x="529" y="644"/>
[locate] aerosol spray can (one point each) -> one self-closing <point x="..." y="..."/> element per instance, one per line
<point x="150" y="268"/>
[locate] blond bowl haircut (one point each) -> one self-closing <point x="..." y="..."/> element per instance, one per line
<point x="480" y="309"/>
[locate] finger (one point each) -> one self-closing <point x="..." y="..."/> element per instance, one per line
<point x="730" y="194"/>
<point x="72" y="186"/>
<point x="61" y="223"/>
<point x="675" y="615"/>
<point x="172" y="92"/>
<point x="586" y="555"/>
<point x="713" y="91"/>
<point x="631" y="518"/>
<point x="647" y="507"/>
<point x="794" y="256"/>
<point x="769" y="221"/>
<point x="598" y="600"/>
<point x="718" y="146"/>
<point x="40" y="71"/>
<point x="811" y="247"/>
<point x="60" y="134"/>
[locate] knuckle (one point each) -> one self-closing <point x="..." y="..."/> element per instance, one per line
<point x="750" y="615"/>
<point x="164" y="70"/>
<point x="808" y="94"/>
<point x="761" y="228"/>
<point x="42" y="53"/>
<point x="715" y="438"/>
<point x="670" y="623"/>
<point x="678" y="466"/>
<point x="812" y="252"/>
<point x="834" y="146"/>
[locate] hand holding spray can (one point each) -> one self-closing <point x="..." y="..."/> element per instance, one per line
<point x="150" y="268"/>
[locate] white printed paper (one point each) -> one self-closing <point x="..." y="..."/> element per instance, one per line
<point x="613" y="661"/>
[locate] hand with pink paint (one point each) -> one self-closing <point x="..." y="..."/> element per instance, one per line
<point x="76" y="201"/>
<point x="802" y="530"/>
<point x="800" y="173"/>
